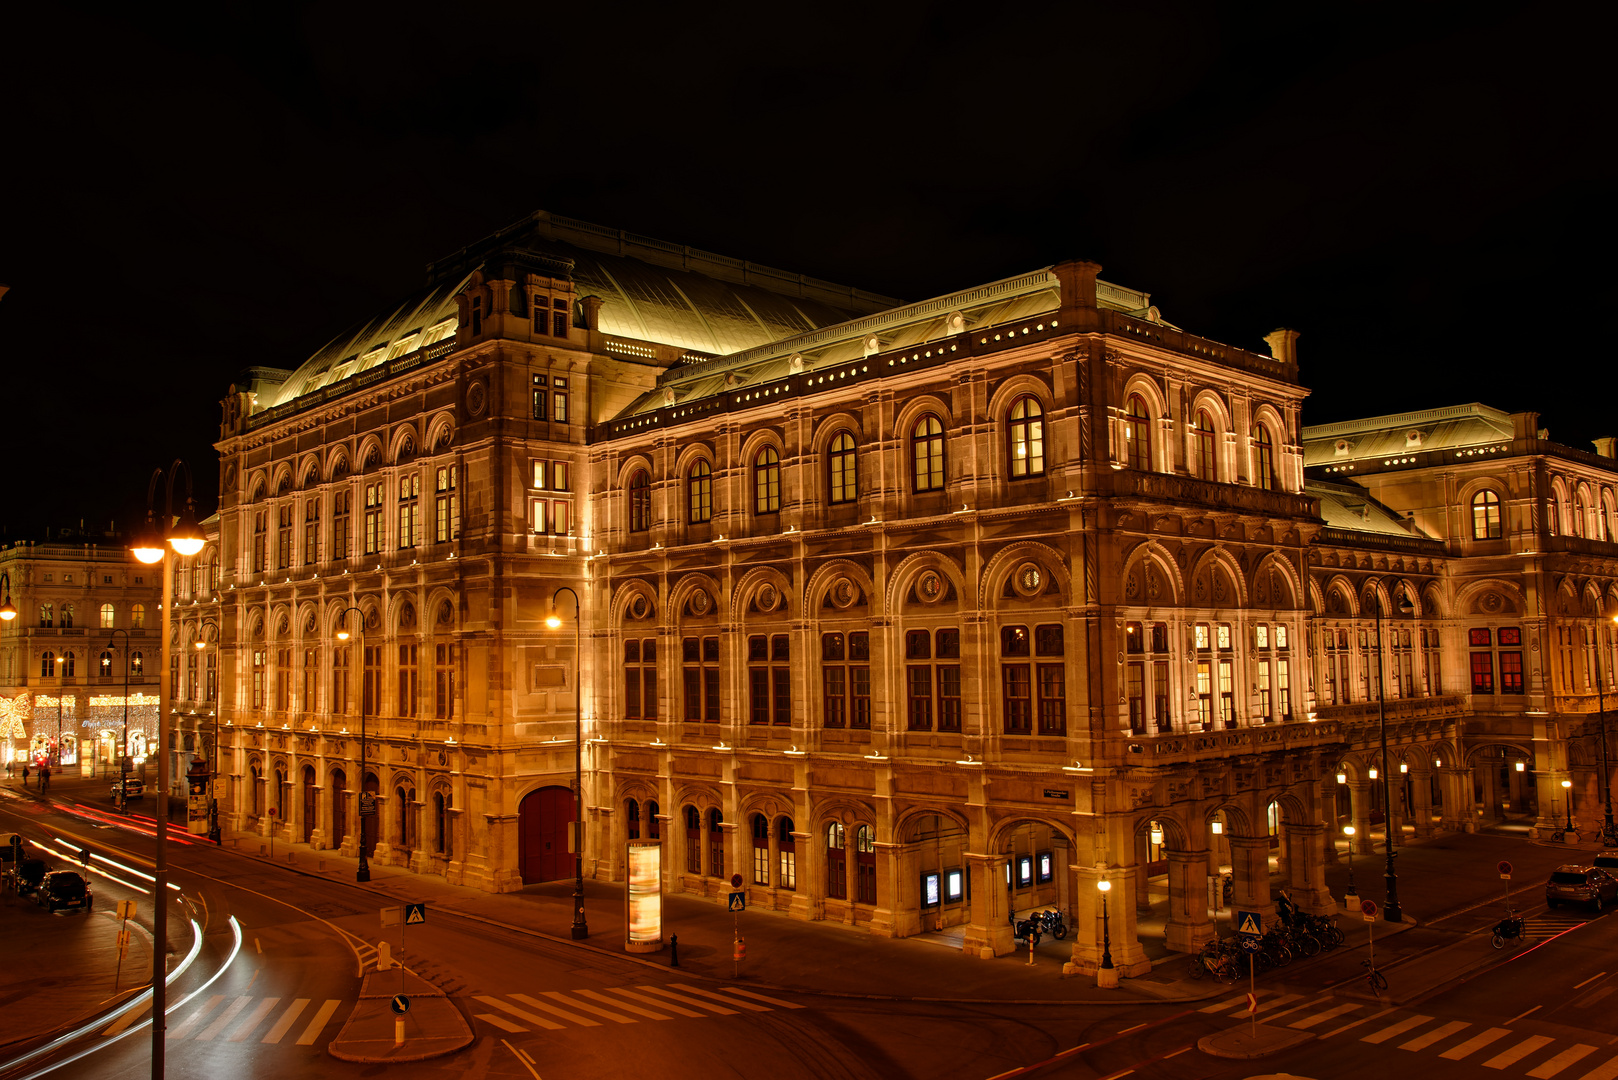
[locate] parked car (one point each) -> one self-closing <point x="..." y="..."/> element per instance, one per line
<point x="62" y="889"/>
<point x="26" y="875"/>
<point x="134" y="788"/>
<point x="1581" y="884"/>
<point x="1608" y="861"/>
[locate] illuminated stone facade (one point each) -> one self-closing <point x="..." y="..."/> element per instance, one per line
<point x="989" y="596"/>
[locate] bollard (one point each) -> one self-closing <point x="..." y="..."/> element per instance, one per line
<point x="398" y="1031"/>
<point x="674" y="950"/>
<point x="320" y="865"/>
<point x="1030" y="949"/>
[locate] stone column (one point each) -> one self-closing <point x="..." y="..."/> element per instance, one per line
<point x="1359" y="793"/>
<point x="806" y="902"/>
<point x="889" y="858"/>
<point x="1306" y="862"/>
<point x="987" y="934"/>
<point x="1188" y="923"/>
<point x="1488" y="783"/>
<point x="1250" y="864"/>
<point x="1421" y="801"/>
<point x="1459" y="813"/>
<point x="1128" y="958"/>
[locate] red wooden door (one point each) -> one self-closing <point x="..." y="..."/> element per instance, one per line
<point x="542" y="823"/>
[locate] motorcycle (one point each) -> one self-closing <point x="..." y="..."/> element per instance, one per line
<point x="1508" y="929"/>
<point x="1051" y="922"/>
<point x="1030" y="928"/>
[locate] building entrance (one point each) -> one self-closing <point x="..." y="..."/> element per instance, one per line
<point x="542" y="823"/>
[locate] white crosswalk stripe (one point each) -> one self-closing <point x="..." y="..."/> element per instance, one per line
<point x="554" y="1010"/>
<point x="204" y="1021"/>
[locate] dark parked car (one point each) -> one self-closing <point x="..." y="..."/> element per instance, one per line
<point x="1581" y="884"/>
<point x="1608" y="861"/>
<point x="26" y="875"/>
<point x="134" y="788"/>
<point x="62" y="889"/>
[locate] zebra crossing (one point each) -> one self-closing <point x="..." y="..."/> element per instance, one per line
<point x="1501" y="1049"/>
<point x="1549" y="923"/>
<point x="553" y="1010"/>
<point x="208" y="1022"/>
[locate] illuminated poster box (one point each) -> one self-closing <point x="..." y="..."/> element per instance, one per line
<point x="644" y="897"/>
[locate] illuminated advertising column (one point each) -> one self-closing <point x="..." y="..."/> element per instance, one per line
<point x="643" y="899"/>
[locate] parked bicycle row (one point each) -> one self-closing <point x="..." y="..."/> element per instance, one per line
<point x="1226" y="959"/>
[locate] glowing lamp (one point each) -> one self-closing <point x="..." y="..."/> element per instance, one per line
<point x="1104" y="885"/>
<point x="1519" y="766"/>
<point x="1218" y="827"/>
<point x="1342" y="778"/>
<point x="1567" y="783"/>
<point x="147" y="553"/>
<point x="553" y="621"/>
<point x="1438" y="763"/>
<point x="1404" y="766"/>
<point x="1156" y="835"/>
<point x="1372" y="772"/>
<point x="1348" y="831"/>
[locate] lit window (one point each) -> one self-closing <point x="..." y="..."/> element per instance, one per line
<point x="1027" y="435"/>
<point x="699" y="486"/>
<point x="1137" y="435"/>
<point x="640" y="501"/>
<point x="1485" y="516"/>
<point x="1203" y="462"/>
<point x="767" y="481"/>
<point x="1263" y="458"/>
<point x="843" y="472"/>
<point x="927" y="452"/>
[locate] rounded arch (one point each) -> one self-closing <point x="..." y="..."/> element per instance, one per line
<point x="904" y="576"/>
<point x="821" y="581"/>
<point x="914" y="409"/>
<point x="685" y="586"/>
<point x="701" y="796"/>
<point x="1512" y="747"/>
<point x="992" y="578"/>
<point x="832" y="425"/>
<point x="337" y="462"/>
<point x="748" y="587"/>
<point x="1209" y="401"/>
<point x="309" y="470"/>
<point x="403" y="444"/>
<point x="757" y="440"/>
<point x="1432" y="602"/>
<point x="440" y="432"/>
<point x="1001" y="830"/>
<point x="1176" y="837"/>
<point x="1272" y="572"/>
<point x="307" y="623"/>
<point x="441" y="614"/>
<point x="257" y="485"/>
<point x="403" y="616"/>
<point x="1471" y="594"/>
<point x="337" y="608"/>
<point x="625" y="594"/>
<point x="631" y="465"/>
<point x="841" y="809"/>
<point x="1153" y="553"/>
<point x="1204" y="582"/>
<point x="1236" y="821"/>
<point x="1340" y="590"/>
<point x="369" y="454"/>
<point x="903" y="822"/>
<point x="1020" y="385"/>
<point x="766" y="803"/>
<point x="281" y="479"/>
<point x="688" y="457"/>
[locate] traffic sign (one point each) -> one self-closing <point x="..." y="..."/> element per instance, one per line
<point x="1251" y="944"/>
<point x="415" y="913"/>
<point x="367" y="804"/>
<point x="735" y="881"/>
<point x="1250" y="924"/>
<point x="738" y="902"/>
<point x="1505" y="870"/>
<point x="400" y="1004"/>
<point x="1252" y="1003"/>
<point x="15" y="841"/>
<point x="1368" y="909"/>
<point x="126" y="909"/>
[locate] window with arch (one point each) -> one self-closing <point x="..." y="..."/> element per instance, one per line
<point x="769" y="679"/>
<point x="67" y="616"/>
<point x="845" y="667"/>
<point x="699" y="491"/>
<point x="1553" y="517"/>
<point x="927" y="453"/>
<point x="693" y="840"/>
<point x="47" y="664"/>
<point x="283" y="535"/>
<point x="67" y="664"/>
<point x="108" y="614"/>
<point x="409" y="508"/>
<point x="761" y="850"/>
<point x="1204" y="465"/>
<point x="1037" y="689"/>
<point x="787" y="851"/>
<point x="1137" y="434"/>
<point x="260" y="540"/>
<point x="716" y="844"/>
<point x="1263" y="458"/>
<point x="1486" y="516"/>
<point x="654" y="829"/>
<point x="836" y="862"/>
<point x="442" y="842"/>
<point x="1603" y="520"/>
<point x="137" y="616"/>
<point x="933" y="689"/>
<point x="842" y="469"/>
<point x="105" y="667"/>
<point x="640" y="501"/>
<point x="1578" y="523"/>
<point x="631" y="819"/>
<point x="137" y="664"/>
<point x="47" y="615"/>
<point x="1026" y="430"/>
<point x="767" y="481"/>
<point x="865" y="865"/>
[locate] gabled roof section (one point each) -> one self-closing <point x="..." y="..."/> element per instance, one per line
<point x="1382" y="437"/>
<point x="1351" y="508"/>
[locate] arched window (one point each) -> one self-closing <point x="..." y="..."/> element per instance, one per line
<point x="107" y="615"/>
<point x="699" y="487"/>
<point x="1263" y="458"/>
<point x="137" y="616"/>
<point x="693" y="840"/>
<point x="1603" y="521"/>
<point x="1485" y="516"/>
<point x="67" y="664"/>
<point x="47" y="664"/>
<point x="767" y="481"/>
<point x="716" y="844"/>
<point x="1553" y="520"/>
<point x="1578" y="517"/>
<point x="640" y="501"/>
<point x="761" y="850"/>
<point x="136" y="663"/>
<point x="47" y="614"/>
<point x="1137" y="434"/>
<point x="843" y="470"/>
<point x="1027" y="434"/>
<point x="632" y="819"/>
<point x="67" y="615"/>
<point x="1203" y="463"/>
<point x="440" y="823"/>
<point x="836" y="862"/>
<point x="255" y="781"/>
<point x="788" y="849"/>
<point x="927" y="451"/>
<point x="106" y="665"/>
<point x="654" y="830"/>
<point x="865" y="865"/>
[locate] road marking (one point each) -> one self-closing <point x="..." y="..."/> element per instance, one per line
<point x="1474" y="1044"/>
<point x="191" y="1021"/>
<point x="660" y="992"/>
<point x="1356" y="1023"/>
<point x="257" y="947"/>
<point x="503" y="1025"/>
<point x="1116" y="1075"/>
<point x="1176" y="1053"/>
<point x="521" y="1015"/>
<point x="1592" y="997"/>
<point x="1609" y="1071"/>
<point x="126" y="1019"/>
<point x="652" y="1001"/>
<point x="283" y="1025"/>
<point x="1587" y="982"/>
<point x="1320" y="1018"/>
<point x="587" y="1007"/>
<point x="1517" y="1053"/>
<point x="1423" y="1041"/>
<point x="527" y="1061"/>
<point x="1384" y="1034"/>
<point x="1221" y="1006"/>
<point x="1282" y="1000"/>
<point x="219" y="1025"/>
<point x="760" y="997"/>
<point x="717" y="997"/>
<point x="582" y="1021"/>
<point x="1126" y="1031"/>
<point x="615" y="1003"/>
<point x="1520" y="1015"/>
<point x="251" y="1024"/>
<point x="312" y="1032"/>
<point x="1561" y="1061"/>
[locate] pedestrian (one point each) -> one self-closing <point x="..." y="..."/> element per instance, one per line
<point x="44" y="778"/>
<point x="674" y="950"/>
<point x="1286" y="908"/>
<point x="25" y="776"/>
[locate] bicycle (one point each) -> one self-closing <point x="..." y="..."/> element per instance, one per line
<point x="1560" y="836"/>
<point x="1374" y="978"/>
<point x="1609" y="835"/>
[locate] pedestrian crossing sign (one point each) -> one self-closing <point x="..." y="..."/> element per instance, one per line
<point x="415" y="913"/>
<point x="738" y="901"/>
<point x="1250" y="923"/>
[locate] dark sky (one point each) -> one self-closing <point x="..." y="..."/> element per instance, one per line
<point x="1423" y="190"/>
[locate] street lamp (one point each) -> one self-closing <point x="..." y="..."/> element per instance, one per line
<point x="1110" y="979"/>
<point x="1348" y="831"/>
<point x="365" y="801"/>
<point x="1390" y="909"/>
<point x="7" y="610"/>
<point x="185" y="537"/>
<point x="580" y="928"/>
<point x="123" y="749"/>
<point x="1567" y="796"/>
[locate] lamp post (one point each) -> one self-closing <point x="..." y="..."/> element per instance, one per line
<point x="364" y="871"/>
<point x="580" y="928"/>
<point x="123" y="748"/>
<point x="1106" y="975"/>
<point x="1390" y="908"/>
<point x="8" y="612"/>
<point x="182" y="536"/>
<point x="1348" y="831"/>
<point x="1567" y="797"/>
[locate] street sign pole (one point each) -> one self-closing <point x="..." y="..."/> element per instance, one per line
<point x="1252" y="992"/>
<point x="1505" y="875"/>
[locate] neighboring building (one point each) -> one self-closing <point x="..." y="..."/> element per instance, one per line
<point x="64" y="658"/>
<point x="911" y="614"/>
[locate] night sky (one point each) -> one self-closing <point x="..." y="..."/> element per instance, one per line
<point x="1423" y="190"/>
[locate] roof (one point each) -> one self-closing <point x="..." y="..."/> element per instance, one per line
<point x="1400" y="433"/>
<point x="703" y="303"/>
<point x="1351" y="508"/>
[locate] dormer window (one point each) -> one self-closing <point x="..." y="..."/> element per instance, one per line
<point x="477" y="315"/>
<point x="559" y="318"/>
